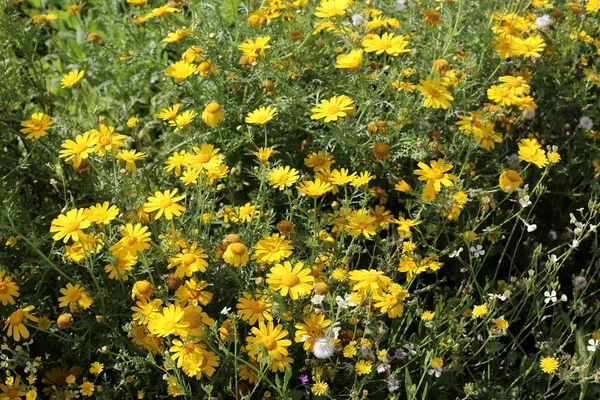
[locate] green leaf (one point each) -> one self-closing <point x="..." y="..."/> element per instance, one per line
<point x="494" y="347"/>
<point x="230" y="10"/>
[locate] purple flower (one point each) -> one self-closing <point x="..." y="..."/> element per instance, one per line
<point x="304" y="378"/>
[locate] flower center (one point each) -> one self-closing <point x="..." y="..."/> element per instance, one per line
<point x="105" y="140"/>
<point x="165" y="203"/>
<point x="188" y="348"/>
<point x="203" y="158"/>
<point x="273" y="248"/>
<point x="80" y="148"/>
<point x="188" y="259"/>
<point x="257" y="306"/>
<point x="75" y="296"/>
<point x="289" y="279"/>
<point x="3" y="288"/>
<point x="269" y="342"/>
<point x="372" y="278"/>
<point x="238" y="249"/>
<point x="332" y="110"/>
<point x="437" y="174"/>
<point x="433" y="92"/>
<point x="17" y="317"/>
<point x="194" y="320"/>
<point x="37" y="126"/>
<point x="131" y="240"/>
<point x="213" y="108"/>
<point x="72" y="227"/>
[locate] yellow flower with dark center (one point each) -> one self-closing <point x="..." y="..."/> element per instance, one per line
<point x="180" y="70"/>
<point x="387" y="43"/>
<point x="78" y="150"/>
<point x="192" y="292"/>
<point x="268" y="340"/>
<point x="290" y="281"/>
<point x="362" y="222"/>
<point x="236" y="254"/>
<point x="168" y="322"/>
<point x="254" y="308"/>
<point x="37" y="126"/>
<point x="318" y="160"/>
<point x="14" y="325"/>
<point x="283" y="177"/>
<point x="332" y="109"/>
<point x="107" y="140"/>
<point x="8" y="289"/>
<point x="435" y="176"/>
<point x="261" y="115"/>
<point x="165" y="203"/>
<point x="71" y="78"/>
<point x="69" y="226"/>
<point x="75" y="296"/>
<point x="436" y="95"/>
<point x="190" y="260"/>
<point x="510" y="180"/>
<point x="213" y="114"/>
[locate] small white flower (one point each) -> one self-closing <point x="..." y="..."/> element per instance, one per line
<point x="552" y="258"/>
<point x="524" y="201"/>
<point x="225" y="310"/>
<point x="401" y="5"/>
<point x="563" y="297"/>
<point x="529" y="113"/>
<point x="477" y="251"/>
<point x="502" y="297"/>
<point x="436" y="371"/>
<point x="317" y="299"/>
<point x="455" y="253"/>
<point x="345" y="302"/>
<point x="543" y="22"/>
<point x="593" y="345"/>
<point x="574" y="244"/>
<point x="550" y="296"/>
<point x="586" y="123"/>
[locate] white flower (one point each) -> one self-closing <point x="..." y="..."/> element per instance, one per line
<point x="550" y="296"/>
<point x="502" y="297"/>
<point x="323" y="348"/>
<point x="574" y="244"/>
<point x="593" y="345"/>
<point x="530" y="227"/>
<point x="586" y="123"/>
<point x="345" y="302"/>
<point x="317" y="299"/>
<point x="543" y="22"/>
<point x="524" y="201"/>
<point x="552" y="258"/>
<point x="477" y="251"/>
<point x="436" y="371"/>
<point x="225" y="310"/>
<point x="563" y="297"/>
<point x="456" y="253"/>
<point x="358" y="20"/>
<point x="401" y="5"/>
<point x="529" y="113"/>
<point x="573" y="218"/>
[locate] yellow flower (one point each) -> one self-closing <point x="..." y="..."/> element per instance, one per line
<point x="180" y="70"/>
<point x="170" y="113"/>
<point x="332" y="109"/>
<point x="178" y="35"/>
<point x="212" y="114"/>
<point x="78" y="150"/>
<point x="510" y="180"/>
<point x="272" y="248"/>
<point x="501" y="323"/>
<point x="261" y="115"/>
<point x="332" y="8"/>
<point x="319" y="388"/>
<point x="8" y="289"/>
<point x="293" y="281"/>
<point x="351" y="60"/>
<point x="101" y="214"/>
<point x="135" y="239"/>
<point x="312" y="327"/>
<point x="533" y="46"/>
<point x="176" y="161"/>
<point x="132" y="121"/>
<point x="427" y="315"/>
<point x="15" y="326"/>
<point x="254" y="308"/>
<point x="362" y="222"/>
<point x="37" y="126"/>
<point x="502" y="95"/>
<point x="549" y="364"/>
<point x="264" y="153"/>
<point x="129" y="157"/>
<point x="363" y="367"/>
<point x="436" y="95"/>
<point x="168" y="322"/>
<point x="256" y="48"/>
<point x="318" y="161"/>
<point x="531" y="151"/>
<point x="69" y="226"/>
<point x="71" y="78"/>
<point x="314" y="188"/>
<point x="96" y="368"/>
<point x="553" y="157"/>
<point x="87" y="388"/>
<point x="165" y="203"/>
<point x="75" y="296"/>
<point x="183" y="120"/>
<point x="190" y="260"/>
<point x="282" y="177"/>
<point x="236" y="254"/>
<point x="437" y="363"/>
<point x="270" y="338"/>
<point x="371" y="279"/>
<point x="480" y="311"/>
<point x="107" y="140"/>
<point x="435" y="176"/>
<point x="387" y="43"/>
